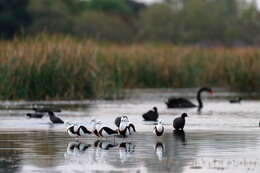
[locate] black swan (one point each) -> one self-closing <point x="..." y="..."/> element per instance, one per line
<point x="35" y="115"/>
<point x="237" y="100"/>
<point x="54" y="119"/>
<point x="184" y="103"/>
<point x="151" y="115"/>
<point x="179" y="122"/>
<point x="43" y="110"/>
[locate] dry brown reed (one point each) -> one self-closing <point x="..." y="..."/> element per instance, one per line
<point x="61" y="67"/>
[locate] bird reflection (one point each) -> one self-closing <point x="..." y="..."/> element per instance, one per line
<point x="99" y="151"/>
<point x="159" y="149"/>
<point x="77" y="147"/>
<point x="180" y="136"/>
<point x="104" y="145"/>
<point x="126" y="149"/>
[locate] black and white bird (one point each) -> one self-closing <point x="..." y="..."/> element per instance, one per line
<point x="96" y="126"/>
<point x="159" y="129"/>
<point x="123" y="127"/>
<point x="151" y="115"/>
<point x="107" y="132"/>
<point x="54" y="119"/>
<point x="83" y="130"/>
<point x="72" y="129"/>
<point x="179" y="122"/>
<point x="118" y="120"/>
<point x="130" y="127"/>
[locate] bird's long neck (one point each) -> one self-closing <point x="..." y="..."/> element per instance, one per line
<point x="51" y="114"/>
<point x="199" y="98"/>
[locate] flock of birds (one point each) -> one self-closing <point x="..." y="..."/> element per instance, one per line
<point x="124" y="126"/>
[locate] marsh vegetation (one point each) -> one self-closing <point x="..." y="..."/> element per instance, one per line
<point x="58" y="67"/>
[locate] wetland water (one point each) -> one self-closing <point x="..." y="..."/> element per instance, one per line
<point x="223" y="137"/>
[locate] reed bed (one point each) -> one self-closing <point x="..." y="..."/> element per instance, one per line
<point x="62" y="67"/>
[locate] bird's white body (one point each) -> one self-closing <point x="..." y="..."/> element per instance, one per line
<point x="123" y="130"/>
<point x="159" y="129"/>
<point x="123" y="125"/>
<point x="96" y="126"/>
<point x="107" y="132"/>
<point x="83" y="130"/>
<point x="72" y="129"/>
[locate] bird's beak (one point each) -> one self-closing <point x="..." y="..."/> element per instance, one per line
<point x="212" y="93"/>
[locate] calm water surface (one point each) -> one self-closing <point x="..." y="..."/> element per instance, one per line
<point x="223" y="137"/>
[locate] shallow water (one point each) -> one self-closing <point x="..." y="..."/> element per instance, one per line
<point x="223" y="137"/>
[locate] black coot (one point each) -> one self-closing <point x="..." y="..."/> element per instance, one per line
<point x="179" y="122"/>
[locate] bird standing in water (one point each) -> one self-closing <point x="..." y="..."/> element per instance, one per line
<point x="159" y="129"/>
<point x="96" y="126"/>
<point x="123" y="130"/>
<point x="54" y="119"/>
<point x="72" y="129"/>
<point x="130" y="127"/>
<point x="83" y="130"/>
<point x="179" y="122"/>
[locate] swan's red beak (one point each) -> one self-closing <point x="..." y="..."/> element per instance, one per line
<point x="212" y="93"/>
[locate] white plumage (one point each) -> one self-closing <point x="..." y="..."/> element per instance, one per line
<point x="159" y="129"/>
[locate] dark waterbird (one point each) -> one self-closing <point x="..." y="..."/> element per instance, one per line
<point x="54" y="119"/>
<point x="35" y="115"/>
<point x="184" y="103"/>
<point x="179" y="122"/>
<point x="236" y="100"/>
<point x="151" y="115"/>
<point x="46" y="109"/>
